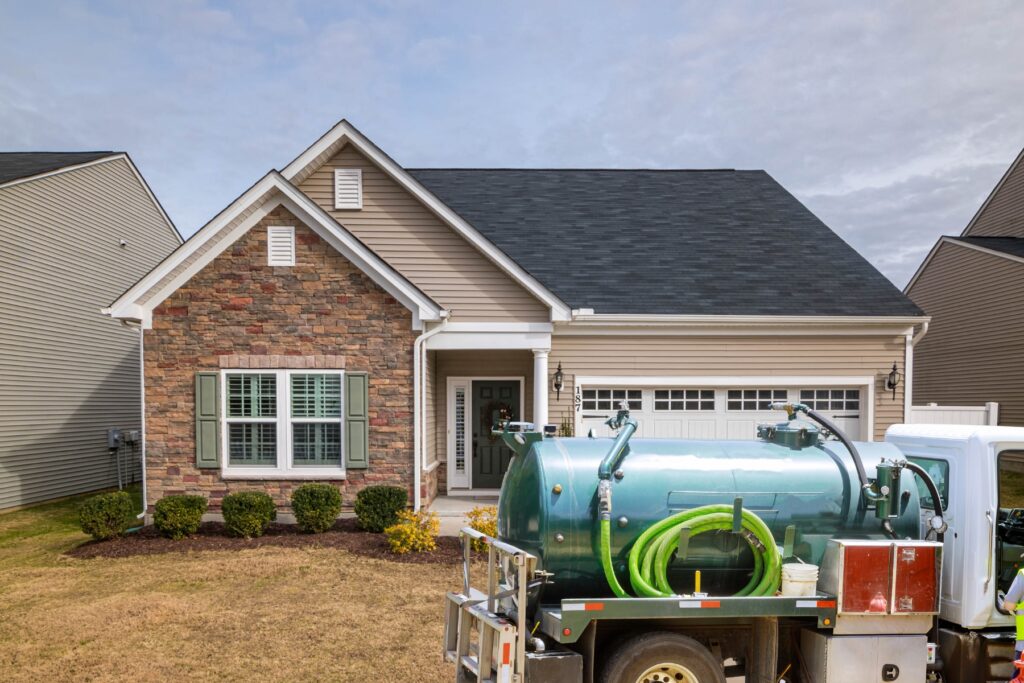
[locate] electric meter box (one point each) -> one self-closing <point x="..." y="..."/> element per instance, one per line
<point x="882" y="586"/>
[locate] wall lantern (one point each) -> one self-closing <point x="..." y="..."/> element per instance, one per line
<point x="559" y="381"/>
<point x="893" y="380"/>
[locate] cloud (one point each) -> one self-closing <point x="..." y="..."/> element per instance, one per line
<point x="891" y="121"/>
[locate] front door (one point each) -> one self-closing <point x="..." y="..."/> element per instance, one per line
<point x="493" y="401"/>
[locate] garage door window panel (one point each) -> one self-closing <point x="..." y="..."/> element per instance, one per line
<point x="831" y="399"/>
<point x="753" y="400"/>
<point x="684" y="400"/>
<point x="609" y="399"/>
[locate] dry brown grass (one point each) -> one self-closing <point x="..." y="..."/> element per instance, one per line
<point x="267" y="614"/>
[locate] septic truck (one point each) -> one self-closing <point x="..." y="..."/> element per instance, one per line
<point x="798" y="556"/>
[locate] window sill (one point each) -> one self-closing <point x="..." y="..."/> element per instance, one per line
<point x="287" y="475"/>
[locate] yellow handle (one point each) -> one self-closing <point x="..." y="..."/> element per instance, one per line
<point x="696" y="581"/>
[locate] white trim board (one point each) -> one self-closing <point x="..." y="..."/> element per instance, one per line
<point x="345" y="133"/>
<point x="449" y="398"/>
<point x="276" y="191"/>
<point x="946" y="239"/>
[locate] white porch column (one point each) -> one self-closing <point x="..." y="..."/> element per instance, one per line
<point x="540" y="387"/>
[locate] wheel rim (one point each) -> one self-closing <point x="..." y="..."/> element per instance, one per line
<point x="668" y="672"/>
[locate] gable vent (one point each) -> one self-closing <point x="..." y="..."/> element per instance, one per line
<point x="348" y="188"/>
<point x="280" y="246"/>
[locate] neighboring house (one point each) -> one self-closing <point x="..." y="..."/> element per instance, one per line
<point x="351" y="320"/>
<point x="77" y="228"/>
<point x="972" y="286"/>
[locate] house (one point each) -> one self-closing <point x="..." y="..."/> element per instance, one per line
<point x="970" y="285"/>
<point x="351" y="320"/>
<point x="77" y="229"/>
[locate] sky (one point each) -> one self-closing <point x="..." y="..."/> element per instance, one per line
<point x="891" y="121"/>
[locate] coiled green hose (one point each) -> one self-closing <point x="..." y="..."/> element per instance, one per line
<point x="652" y="552"/>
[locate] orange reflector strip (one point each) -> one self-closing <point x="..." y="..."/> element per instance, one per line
<point x="506" y="653"/>
<point x="710" y="604"/>
<point x="830" y="604"/>
<point x="593" y="606"/>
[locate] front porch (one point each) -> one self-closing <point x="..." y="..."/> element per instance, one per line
<point x="471" y="380"/>
<point x="452" y="510"/>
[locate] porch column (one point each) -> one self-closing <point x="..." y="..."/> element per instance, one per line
<point x="540" y="387"/>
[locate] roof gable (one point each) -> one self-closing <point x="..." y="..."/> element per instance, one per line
<point x="24" y="165"/>
<point x="237" y="219"/>
<point x="712" y="242"/>
<point x="1002" y="212"/>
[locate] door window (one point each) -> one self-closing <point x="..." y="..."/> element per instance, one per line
<point x="1010" y="518"/>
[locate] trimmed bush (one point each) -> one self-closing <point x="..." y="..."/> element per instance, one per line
<point x="316" y="507"/>
<point x="485" y="520"/>
<point x="416" y="532"/>
<point x="248" y="513"/>
<point x="106" y="515"/>
<point x="179" y="516"/>
<point x="377" y="507"/>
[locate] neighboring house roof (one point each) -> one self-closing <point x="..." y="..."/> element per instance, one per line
<point x="677" y="242"/>
<point x="1012" y="246"/>
<point x="16" y="165"/>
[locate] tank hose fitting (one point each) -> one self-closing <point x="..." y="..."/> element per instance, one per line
<point x="652" y="553"/>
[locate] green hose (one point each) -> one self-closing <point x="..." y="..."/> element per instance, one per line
<point x="652" y="553"/>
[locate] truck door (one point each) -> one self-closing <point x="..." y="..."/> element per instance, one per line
<point x="1009" y="545"/>
<point x="938" y="469"/>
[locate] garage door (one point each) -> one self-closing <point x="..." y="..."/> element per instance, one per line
<point x="712" y="412"/>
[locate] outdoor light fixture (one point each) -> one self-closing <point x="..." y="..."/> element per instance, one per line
<point x="559" y="381"/>
<point x="893" y="380"/>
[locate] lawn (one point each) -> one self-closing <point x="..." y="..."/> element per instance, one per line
<point x="261" y="614"/>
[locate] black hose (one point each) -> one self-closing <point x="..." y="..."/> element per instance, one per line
<point x="933" y="490"/>
<point x="862" y="474"/>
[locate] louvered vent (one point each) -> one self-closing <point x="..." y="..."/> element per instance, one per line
<point x="348" y="188"/>
<point x="280" y="246"/>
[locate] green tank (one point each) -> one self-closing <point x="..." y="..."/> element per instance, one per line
<point x="549" y="504"/>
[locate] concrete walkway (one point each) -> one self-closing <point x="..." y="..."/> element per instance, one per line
<point x="452" y="510"/>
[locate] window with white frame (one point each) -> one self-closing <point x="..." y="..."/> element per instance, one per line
<point x="609" y="399"/>
<point x="684" y="399"/>
<point x="283" y="421"/>
<point x="831" y="399"/>
<point x="755" y="399"/>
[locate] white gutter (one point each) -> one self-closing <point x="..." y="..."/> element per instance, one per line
<point x="419" y="405"/>
<point x="908" y="371"/>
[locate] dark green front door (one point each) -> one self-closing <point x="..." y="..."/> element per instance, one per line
<point x="493" y="400"/>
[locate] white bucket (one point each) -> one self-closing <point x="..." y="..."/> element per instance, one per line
<point x="799" y="579"/>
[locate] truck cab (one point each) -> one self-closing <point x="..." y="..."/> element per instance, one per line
<point x="979" y="471"/>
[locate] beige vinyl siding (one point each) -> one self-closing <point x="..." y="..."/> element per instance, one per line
<point x="974" y="350"/>
<point x="665" y="356"/>
<point x="67" y="372"/>
<point x="516" y="364"/>
<point x="1003" y="214"/>
<point x="422" y="247"/>
<point x="430" y="409"/>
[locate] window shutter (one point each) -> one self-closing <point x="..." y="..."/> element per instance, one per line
<point x="348" y="188"/>
<point x="280" y="246"/>
<point x="207" y="420"/>
<point x="357" y="422"/>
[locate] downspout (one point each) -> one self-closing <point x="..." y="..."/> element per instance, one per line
<point x="908" y="370"/>
<point x="419" y="405"/>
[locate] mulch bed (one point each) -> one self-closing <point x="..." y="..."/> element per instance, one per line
<point x="212" y="536"/>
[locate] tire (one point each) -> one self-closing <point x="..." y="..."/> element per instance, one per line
<point x="684" y="658"/>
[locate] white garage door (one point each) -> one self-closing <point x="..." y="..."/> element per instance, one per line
<point x="713" y="412"/>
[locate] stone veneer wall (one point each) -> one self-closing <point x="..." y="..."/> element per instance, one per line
<point x="323" y="312"/>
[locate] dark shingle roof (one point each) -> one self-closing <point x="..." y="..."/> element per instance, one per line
<point x="14" y="165"/>
<point x="716" y="242"/>
<point x="1014" y="246"/>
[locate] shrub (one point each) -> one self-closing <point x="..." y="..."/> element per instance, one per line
<point x="485" y="520"/>
<point x="248" y="513"/>
<point x="316" y="507"/>
<point x="106" y="515"/>
<point x="416" y="532"/>
<point x="377" y="507"/>
<point x="179" y="516"/>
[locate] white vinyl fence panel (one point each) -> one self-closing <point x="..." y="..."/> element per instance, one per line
<point x="933" y="413"/>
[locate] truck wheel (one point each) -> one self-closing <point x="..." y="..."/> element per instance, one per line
<point x="661" y="657"/>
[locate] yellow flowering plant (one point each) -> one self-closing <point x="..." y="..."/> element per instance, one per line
<point x="484" y="519"/>
<point x="416" y="532"/>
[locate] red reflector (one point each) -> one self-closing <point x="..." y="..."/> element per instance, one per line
<point x="593" y="606"/>
<point x="710" y="604"/>
<point x="566" y="631"/>
<point x="830" y="604"/>
<point x="506" y="653"/>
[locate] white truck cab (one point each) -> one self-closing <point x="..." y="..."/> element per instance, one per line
<point x="979" y="471"/>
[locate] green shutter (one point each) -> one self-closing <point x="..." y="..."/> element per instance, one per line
<point x="207" y="420"/>
<point x="357" y="422"/>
